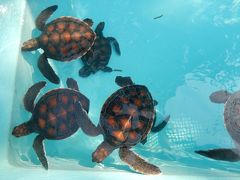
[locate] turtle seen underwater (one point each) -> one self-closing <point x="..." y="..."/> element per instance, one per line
<point x="57" y="115"/>
<point x="126" y="119"/>
<point x="126" y="81"/>
<point x="232" y="124"/>
<point x="63" y="39"/>
<point x="97" y="58"/>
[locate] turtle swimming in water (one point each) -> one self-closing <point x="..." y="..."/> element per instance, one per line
<point x="127" y="81"/>
<point x="232" y="124"/>
<point x="57" y="115"/>
<point x="63" y="39"/>
<point x="97" y="58"/>
<point x="126" y="119"/>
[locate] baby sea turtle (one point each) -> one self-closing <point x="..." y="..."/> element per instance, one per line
<point x="57" y="115"/>
<point x="126" y="81"/>
<point x="63" y="39"/>
<point x="126" y="119"/>
<point x="98" y="57"/>
<point x="232" y="123"/>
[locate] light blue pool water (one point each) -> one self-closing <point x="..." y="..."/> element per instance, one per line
<point x="193" y="50"/>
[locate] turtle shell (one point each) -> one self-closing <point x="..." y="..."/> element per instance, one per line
<point x="55" y="113"/>
<point x="66" y="38"/>
<point x="232" y="116"/>
<point x="100" y="54"/>
<point x="127" y="115"/>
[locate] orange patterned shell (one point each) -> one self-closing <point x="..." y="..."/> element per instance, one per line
<point x="55" y="113"/>
<point x="66" y="38"/>
<point x="127" y="115"/>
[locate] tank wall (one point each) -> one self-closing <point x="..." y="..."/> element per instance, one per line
<point x="11" y="17"/>
<point x="182" y="64"/>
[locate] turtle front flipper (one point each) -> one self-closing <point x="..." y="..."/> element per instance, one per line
<point x="44" y="15"/>
<point x="231" y="155"/>
<point x="85" y="123"/>
<point x="99" y="29"/>
<point x="30" y="45"/>
<point x="88" y="21"/>
<point x="39" y="150"/>
<point x="47" y="70"/>
<point x="102" y="151"/>
<point x="85" y="71"/>
<point x="136" y="162"/>
<point x="123" y="81"/>
<point x="220" y="96"/>
<point x="72" y="84"/>
<point x="161" y="125"/>
<point x="115" y="44"/>
<point x="31" y="95"/>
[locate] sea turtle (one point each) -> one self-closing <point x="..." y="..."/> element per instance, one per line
<point x="127" y="81"/>
<point x="98" y="57"/>
<point x="126" y="119"/>
<point x="57" y="115"/>
<point x="232" y="123"/>
<point x="63" y="39"/>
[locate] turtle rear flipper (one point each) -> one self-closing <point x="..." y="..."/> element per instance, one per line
<point x="123" y="81"/>
<point x="31" y="95"/>
<point x="85" y="71"/>
<point x="72" y="84"/>
<point x="137" y="162"/>
<point x="39" y="150"/>
<point x="161" y="125"/>
<point x="47" y="70"/>
<point x="44" y="15"/>
<point x="220" y="96"/>
<point x="221" y="154"/>
<point x="115" y="45"/>
<point x="102" y="151"/>
<point x="85" y="123"/>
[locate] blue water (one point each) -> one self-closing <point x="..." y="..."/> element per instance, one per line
<point x="193" y="50"/>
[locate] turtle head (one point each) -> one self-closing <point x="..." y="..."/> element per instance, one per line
<point x="219" y="97"/>
<point x="123" y="81"/>
<point x="21" y="130"/>
<point x="30" y="45"/>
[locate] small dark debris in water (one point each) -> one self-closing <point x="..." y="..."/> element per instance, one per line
<point x="118" y="70"/>
<point x="158" y="17"/>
